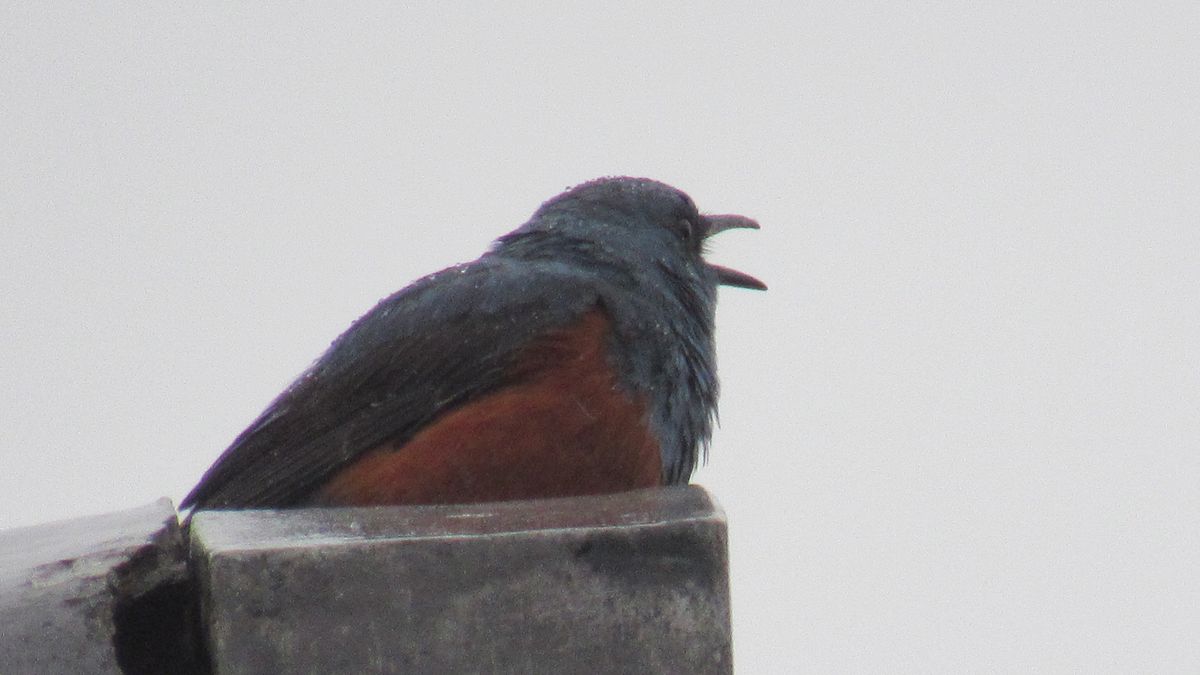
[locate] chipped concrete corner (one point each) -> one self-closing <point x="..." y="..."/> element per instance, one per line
<point x="634" y="582"/>
<point x="95" y="594"/>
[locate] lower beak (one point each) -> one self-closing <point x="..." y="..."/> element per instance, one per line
<point x="726" y="276"/>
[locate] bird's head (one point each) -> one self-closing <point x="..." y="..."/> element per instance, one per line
<point x="635" y="223"/>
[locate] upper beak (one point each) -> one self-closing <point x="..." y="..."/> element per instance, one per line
<point x="726" y="276"/>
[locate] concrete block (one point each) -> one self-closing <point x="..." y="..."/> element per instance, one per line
<point x="633" y="582"/>
<point x="102" y="594"/>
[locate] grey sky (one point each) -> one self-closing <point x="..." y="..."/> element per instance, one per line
<point x="959" y="432"/>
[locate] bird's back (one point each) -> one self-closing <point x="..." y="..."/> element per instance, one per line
<point x="440" y="343"/>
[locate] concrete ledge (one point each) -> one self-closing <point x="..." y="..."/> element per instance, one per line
<point x="633" y="582"/>
<point x="102" y="594"/>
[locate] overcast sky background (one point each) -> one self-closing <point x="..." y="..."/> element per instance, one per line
<point x="959" y="432"/>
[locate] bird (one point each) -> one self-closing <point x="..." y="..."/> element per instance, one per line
<point x="574" y="357"/>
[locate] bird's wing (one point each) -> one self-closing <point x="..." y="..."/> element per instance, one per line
<point x="444" y="340"/>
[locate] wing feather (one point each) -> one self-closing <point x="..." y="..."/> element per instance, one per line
<point x="446" y="339"/>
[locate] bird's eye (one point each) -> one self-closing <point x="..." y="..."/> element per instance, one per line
<point x="687" y="229"/>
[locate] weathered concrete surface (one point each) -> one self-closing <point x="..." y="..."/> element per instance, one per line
<point x="70" y="591"/>
<point x="634" y="582"/>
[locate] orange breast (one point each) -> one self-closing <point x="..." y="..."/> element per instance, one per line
<point x="566" y="428"/>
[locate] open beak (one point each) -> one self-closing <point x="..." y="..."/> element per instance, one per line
<point x="726" y="276"/>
